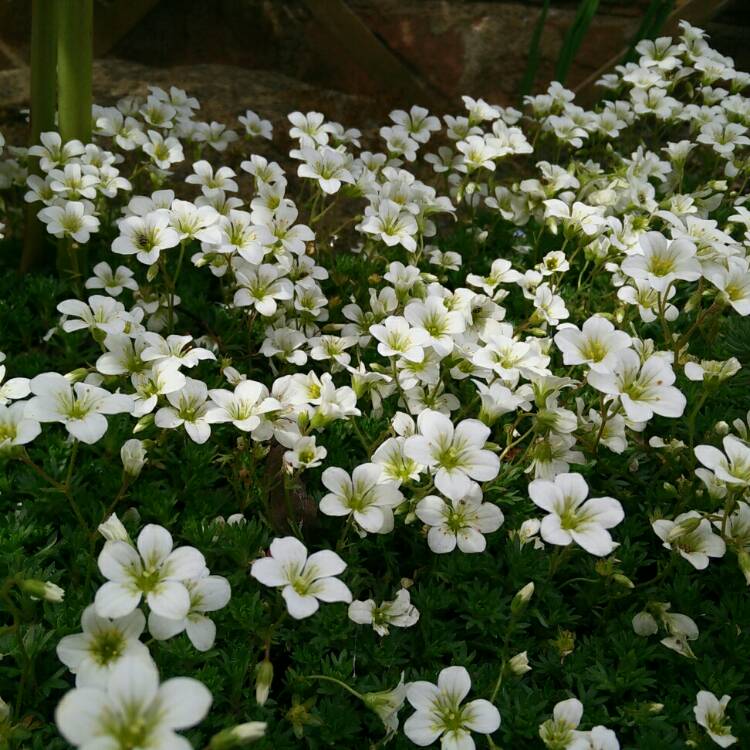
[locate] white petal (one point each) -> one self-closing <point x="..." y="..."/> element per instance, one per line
<point x="118" y="561"/>
<point x="154" y="544"/>
<point x="299" y="606"/>
<point x="79" y="712"/>
<point x="331" y="590"/>
<point x="201" y="631"/>
<point x="326" y="563"/>
<point x="183" y="702"/>
<point x="455" y="681"/>
<point x="485" y="718"/>
<point x="116" y="599"/>
<point x="170" y="599"/>
<point x="133" y="681"/>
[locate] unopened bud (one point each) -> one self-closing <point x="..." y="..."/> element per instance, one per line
<point x="263" y="680"/>
<point x="77" y="376"/>
<point x="242" y="734"/>
<point x="655" y="708"/>
<point x="721" y="428"/>
<point x="4" y="710"/>
<point x="133" y="455"/>
<point x="143" y="423"/>
<point x="522" y="598"/>
<point x="743" y="558"/>
<point x="113" y="530"/>
<point x="623" y="580"/>
<point x="42" y="590"/>
<point x="519" y="664"/>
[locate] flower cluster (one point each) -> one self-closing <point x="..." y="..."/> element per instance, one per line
<point x="466" y="344"/>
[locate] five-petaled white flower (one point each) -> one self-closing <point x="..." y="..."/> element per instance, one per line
<point x="462" y="522"/>
<point x="439" y="712"/>
<point x="154" y="571"/>
<point x="400" y="613"/>
<point x="573" y="518"/>
<point x="133" y="710"/>
<point x="455" y="454"/>
<point x="92" y="654"/>
<point x="364" y="495"/>
<point x="80" y="407"/>
<point x="710" y="713"/>
<point x="304" y="580"/>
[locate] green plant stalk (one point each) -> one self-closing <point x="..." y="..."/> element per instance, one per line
<point x="43" y="98"/>
<point x="532" y="64"/>
<point x="574" y="37"/>
<point x="75" y="42"/>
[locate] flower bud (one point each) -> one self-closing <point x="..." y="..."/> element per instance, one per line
<point x="143" y="423"/>
<point x="522" y="598"/>
<point x="263" y="680"/>
<point x="644" y="624"/>
<point x="519" y="664"/>
<point x="113" y="530"/>
<point x="42" y="590"/>
<point x="655" y="708"/>
<point x="4" y="710"/>
<point x="721" y="428"/>
<point x="623" y="580"/>
<point x="242" y="734"/>
<point x="743" y="558"/>
<point x="133" y="455"/>
<point x="78" y="375"/>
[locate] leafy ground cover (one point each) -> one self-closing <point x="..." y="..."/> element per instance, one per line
<point x="435" y="435"/>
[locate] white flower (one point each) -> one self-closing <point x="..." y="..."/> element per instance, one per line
<point x="72" y="219"/>
<point x="710" y="713"/>
<point x="12" y="389"/>
<point x="455" y="454"/>
<point x="732" y="468"/>
<point x="644" y="389"/>
<point x="92" y="654"/>
<point x="364" y="495"/>
<point x="398" y="339"/>
<point x="663" y="261"/>
<point x="400" y="613"/>
<point x="734" y="282"/>
<point x="392" y="225"/>
<point x="327" y="166"/>
<point x="304" y="454"/>
<point x="16" y="427"/>
<point x="99" y="314"/>
<point x="188" y="407"/>
<point x="80" y="407"/>
<point x="260" y="287"/>
<point x="573" y="518"/>
<point x="255" y="126"/>
<point x="395" y="465"/>
<point x="244" y="408"/>
<point x="304" y="580"/>
<point x="53" y="151"/>
<point x="173" y="351"/>
<point x="595" y="345"/>
<point x="163" y="151"/>
<point x="145" y="236"/>
<point x="113" y="282"/>
<point x="207" y="594"/>
<point x="692" y="537"/>
<point x="155" y="571"/>
<point x="133" y="710"/>
<point x="439" y="713"/>
<point x="461" y="522"/>
<point x="439" y="323"/>
<point x="560" y="732"/>
<point x="203" y="174"/>
<point x="386" y="704"/>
